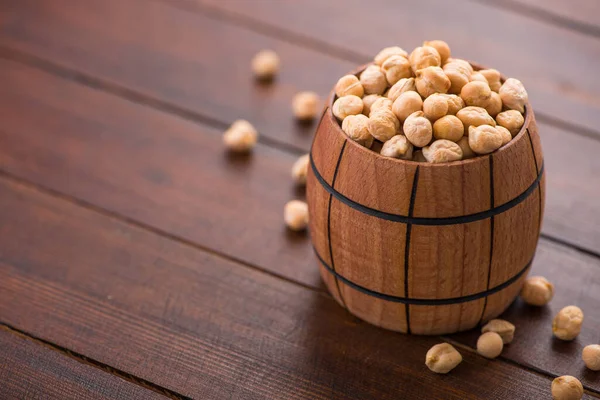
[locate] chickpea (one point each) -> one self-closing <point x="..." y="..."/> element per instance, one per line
<point x="476" y="94"/>
<point x="493" y="78"/>
<point x="265" y="64"/>
<point x="537" y="291"/>
<point x="306" y="105"/>
<point x="435" y="107"/>
<point x="381" y="103"/>
<point x="442" y="48"/>
<point x="396" y="68"/>
<point x="474" y="116"/>
<point x="347" y="105"/>
<point x="458" y="79"/>
<point x="373" y="80"/>
<point x="567" y="387"/>
<point x="513" y="95"/>
<point x="490" y="345"/>
<point x="484" y="139"/>
<point x="442" y="358"/>
<point x="406" y="104"/>
<point x="398" y="147"/>
<point x="494" y="105"/>
<point x="418" y="156"/>
<point x="567" y="323"/>
<point x="591" y="356"/>
<point x="448" y="127"/>
<point x="455" y="103"/>
<point x="349" y="84"/>
<point x="368" y="102"/>
<point x="442" y="151"/>
<point x="431" y="80"/>
<point x="295" y="215"/>
<point x="477" y="76"/>
<point x="383" y="125"/>
<point x="300" y="169"/>
<point x="240" y="137"/>
<point x="506" y="136"/>
<point x="462" y="65"/>
<point x="403" y="85"/>
<point x="511" y="120"/>
<point x="423" y="57"/>
<point x="387" y="52"/>
<point x="357" y="128"/>
<point x="505" y="329"/>
<point x="417" y="129"/>
<point x="463" y="143"/>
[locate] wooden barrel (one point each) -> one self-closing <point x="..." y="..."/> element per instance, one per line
<point x="424" y="248"/>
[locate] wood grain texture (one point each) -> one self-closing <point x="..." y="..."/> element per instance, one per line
<point x="203" y="326"/>
<point x="581" y="12"/>
<point x="30" y="371"/>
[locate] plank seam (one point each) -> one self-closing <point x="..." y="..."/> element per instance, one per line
<point x="539" y="186"/>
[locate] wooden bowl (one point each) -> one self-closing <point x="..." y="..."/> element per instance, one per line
<point x="424" y="248"/>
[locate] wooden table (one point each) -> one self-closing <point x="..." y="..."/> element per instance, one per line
<point x="138" y="260"/>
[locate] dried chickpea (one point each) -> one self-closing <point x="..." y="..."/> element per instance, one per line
<point x="490" y="345"/>
<point x="477" y="76"/>
<point x="448" y="127"/>
<point x="357" y="128"/>
<point x="567" y="387"/>
<point x="435" y="106"/>
<point x="463" y="143"/>
<point x="494" y="105"/>
<point x="442" y="151"/>
<point x="406" y="104"/>
<point x="403" y="85"/>
<point x="265" y="64"/>
<point x="591" y="356"/>
<point x="461" y="64"/>
<point x="295" y="215"/>
<point x="442" y="48"/>
<point x="537" y="291"/>
<point x="442" y="358"/>
<point x="474" y="116"/>
<point x="513" y="95"/>
<point x="368" y="101"/>
<point x="484" y="139"/>
<point x="387" y="52"/>
<point x="240" y="137"/>
<point x="349" y="84"/>
<point x="493" y="78"/>
<point x="431" y="80"/>
<point x="373" y="80"/>
<point x="455" y="103"/>
<point x="511" y="120"/>
<point x="300" y="169"/>
<point x="418" y="156"/>
<point x="506" y="136"/>
<point x="476" y="94"/>
<point x="398" y="147"/>
<point x="381" y="103"/>
<point x="423" y="57"/>
<point x="347" y="105"/>
<point x="505" y="329"/>
<point x="306" y="105"/>
<point x="567" y="323"/>
<point x="457" y="79"/>
<point x="396" y="68"/>
<point x="383" y="125"/>
<point x="417" y="129"/>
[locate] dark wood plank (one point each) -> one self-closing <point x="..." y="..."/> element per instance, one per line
<point x="585" y="12"/>
<point x="203" y="326"/>
<point x="557" y="66"/>
<point x="29" y="370"/>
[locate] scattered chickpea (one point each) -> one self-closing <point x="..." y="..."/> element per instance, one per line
<point x="357" y="128"/>
<point x="423" y="57"/>
<point x="463" y="143"/>
<point x="383" y="125"/>
<point x="300" y="169"/>
<point x="567" y="387"/>
<point x="417" y="129"/>
<point x="295" y="215"/>
<point x="484" y="139"/>
<point x="403" y="85"/>
<point x="474" y="116"/>
<point x="567" y="323"/>
<point x="494" y="105"/>
<point x="457" y="75"/>
<point x="476" y="93"/>
<point x="373" y="80"/>
<point x="455" y="103"/>
<point x="493" y="78"/>
<point x="382" y="103"/>
<point x="511" y="120"/>
<point x="431" y="80"/>
<point x="349" y="84"/>
<point x="418" y="156"/>
<point x="441" y="151"/>
<point x="406" y="104"/>
<point x="396" y="68"/>
<point x="265" y="64"/>
<point x="306" y="105"/>
<point x="387" y="52"/>
<point x="240" y="137"/>
<point x="490" y="345"/>
<point x="442" y="48"/>
<point x="442" y="358"/>
<point x="347" y="105"/>
<point x="513" y="95"/>
<point x="537" y="291"/>
<point x="435" y="107"/>
<point x="448" y="127"/>
<point x="368" y="101"/>
<point x="591" y="356"/>
<point x="398" y="147"/>
<point x="505" y="329"/>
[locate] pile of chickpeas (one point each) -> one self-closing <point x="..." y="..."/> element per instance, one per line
<point x="426" y="106"/>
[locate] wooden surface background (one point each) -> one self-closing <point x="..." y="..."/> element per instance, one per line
<point x="138" y="260"/>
